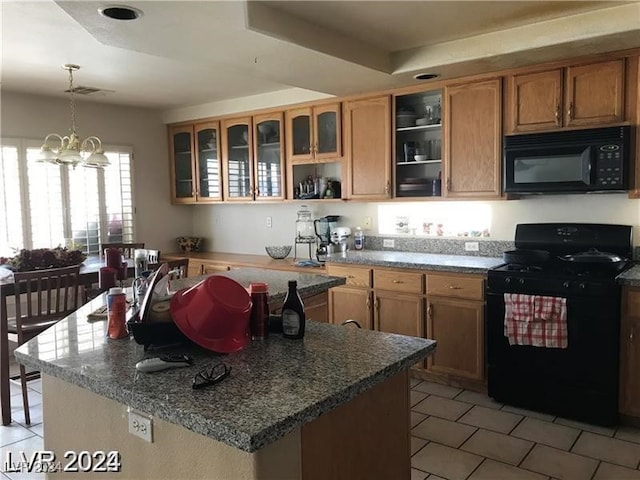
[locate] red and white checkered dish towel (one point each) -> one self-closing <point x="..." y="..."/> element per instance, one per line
<point x="535" y="320"/>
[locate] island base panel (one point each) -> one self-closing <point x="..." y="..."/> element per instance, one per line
<point x="76" y="419"/>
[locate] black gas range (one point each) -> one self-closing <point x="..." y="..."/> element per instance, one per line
<point x="575" y="264"/>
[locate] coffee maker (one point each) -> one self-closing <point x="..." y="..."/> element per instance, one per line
<point x="323" y="227"/>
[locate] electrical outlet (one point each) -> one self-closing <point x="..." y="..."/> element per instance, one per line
<point x="367" y="222"/>
<point x="269" y="222"/>
<point x="140" y="426"/>
<point x="388" y="242"/>
<point x="471" y="246"/>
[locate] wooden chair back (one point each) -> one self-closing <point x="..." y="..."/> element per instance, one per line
<point x="153" y="257"/>
<point x="49" y="295"/>
<point x="126" y="248"/>
<point x="180" y="263"/>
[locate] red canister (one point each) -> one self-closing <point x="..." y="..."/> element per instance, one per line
<point x="117" y="308"/>
<point x="259" y="311"/>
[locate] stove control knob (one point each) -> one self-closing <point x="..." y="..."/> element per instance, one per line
<point x="522" y="281"/>
<point x="566" y="284"/>
<point x="507" y="280"/>
<point x="582" y="286"/>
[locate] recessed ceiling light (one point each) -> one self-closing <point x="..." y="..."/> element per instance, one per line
<point x="426" y="76"/>
<point x="120" y="12"/>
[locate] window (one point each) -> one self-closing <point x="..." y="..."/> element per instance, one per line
<point x="44" y="205"/>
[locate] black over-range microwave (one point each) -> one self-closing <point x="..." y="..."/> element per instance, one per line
<point x="577" y="161"/>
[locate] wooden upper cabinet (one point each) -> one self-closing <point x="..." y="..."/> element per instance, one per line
<point x="268" y="168"/>
<point x="181" y="169"/>
<point x="473" y="134"/>
<point x="575" y="96"/>
<point x="314" y="133"/>
<point x="535" y="101"/>
<point x="595" y="94"/>
<point x="237" y="159"/>
<point x="207" y="162"/>
<point x="367" y="135"/>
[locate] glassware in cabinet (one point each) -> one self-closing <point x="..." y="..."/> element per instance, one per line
<point x="208" y="162"/>
<point x="269" y="158"/>
<point x="237" y="159"/>
<point x="418" y="146"/>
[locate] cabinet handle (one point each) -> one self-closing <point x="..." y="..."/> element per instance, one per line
<point x="449" y="184"/>
<point x="368" y="303"/>
<point x="454" y="287"/>
<point x="376" y="304"/>
<point x="202" y="269"/>
<point x="351" y="276"/>
<point x="257" y="192"/>
<point x="631" y="334"/>
<point x="558" y="114"/>
<point x="429" y="310"/>
<point x="398" y="281"/>
<point x="571" y="112"/>
<point x="387" y="188"/>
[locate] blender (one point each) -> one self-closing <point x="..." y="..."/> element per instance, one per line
<point x="323" y="227"/>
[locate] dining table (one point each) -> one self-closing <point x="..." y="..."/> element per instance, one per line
<point x="89" y="273"/>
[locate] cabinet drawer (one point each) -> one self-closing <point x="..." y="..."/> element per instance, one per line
<point x="356" y="276"/>
<point x="463" y="286"/>
<point x="633" y="303"/>
<point x="407" y="282"/>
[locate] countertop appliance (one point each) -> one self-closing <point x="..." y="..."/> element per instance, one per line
<point x="580" y="381"/>
<point x="577" y="161"/>
<point x="323" y="227"/>
<point x="340" y="237"/>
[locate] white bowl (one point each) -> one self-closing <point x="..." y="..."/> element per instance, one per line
<point x="422" y="121"/>
<point x="419" y="158"/>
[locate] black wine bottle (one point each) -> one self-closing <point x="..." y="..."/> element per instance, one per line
<point x="293" y="320"/>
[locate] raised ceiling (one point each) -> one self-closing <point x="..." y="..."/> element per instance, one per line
<point x="185" y="53"/>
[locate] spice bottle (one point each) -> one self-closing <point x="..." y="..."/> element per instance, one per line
<point x="259" y="311"/>
<point x="117" y="309"/>
<point x="293" y="321"/>
<point x="358" y="239"/>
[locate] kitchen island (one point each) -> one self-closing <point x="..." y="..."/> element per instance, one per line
<point x="332" y="405"/>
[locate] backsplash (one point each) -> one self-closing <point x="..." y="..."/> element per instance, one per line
<point x="448" y="246"/>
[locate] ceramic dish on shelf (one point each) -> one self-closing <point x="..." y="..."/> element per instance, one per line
<point x="422" y="121"/>
<point x="419" y="158"/>
<point x="405" y="120"/>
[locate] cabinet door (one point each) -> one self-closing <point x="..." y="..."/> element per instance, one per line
<point x="299" y="135"/>
<point x="327" y="130"/>
<point x="396" y="313"/>
<point x="595" y="94"/>
<point x="368" y="147"/>
<point x="458" y="328"/>
<point x="182" y="179"/>
<point x="316" y="307"/>
<point x="237" y="156"/>
<point x="473" y="139"/>
<point x="350" y="304"/>
<point x="269" y="157"/>
<point x="630" y="353"/>
<point x="211" y="268"/>
<point x="534" y="101"/>
<point x="208" y="172"/>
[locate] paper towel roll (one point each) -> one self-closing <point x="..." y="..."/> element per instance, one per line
<point x="160" y="312"/>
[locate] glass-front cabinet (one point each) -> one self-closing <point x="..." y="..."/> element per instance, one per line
<point x="268" y="153"/>
<point x="418" y="144"/>
<point x="195" y="163"/>
<point x="314" y="133"/>
<point x="253" y="163"/>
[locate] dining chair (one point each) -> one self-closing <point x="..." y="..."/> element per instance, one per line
<point x="182" y="264"/>
<point x="42" y="298"/>
<point x="153" y="257"/>
<point x="127" y="249"/>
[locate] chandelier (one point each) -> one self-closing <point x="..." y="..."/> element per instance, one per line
<point x="70" y="150"/>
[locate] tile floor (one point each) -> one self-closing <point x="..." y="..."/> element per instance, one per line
<point x="456" y="435"/>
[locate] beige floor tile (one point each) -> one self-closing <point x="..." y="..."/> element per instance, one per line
<point x="529" y="413"/>
<point x="14" y="432"/>
<point x="559" y="464"/>
<point x="491" y="419"/>
<point x="417" y="444"/>
<point x="498" y="446"/>
<point x="418" y="475"/>
<point x="491" y="470"/>
<point x="606" y="431"/>
<point x="435" y="477"/>
<point x="608" y="449"/>
<point x="438" y="389"/>
<point x="608" y="471"/>
<point x="443" y="431"/>
<point x="551" y="434"/>
<point x="414" y="381"/>
<point x="416" y="397"/>
<point x="442" y="407"/>
<point x="445" y="461"/>
<point x="628" y="433"/>
<point x="416" y="418"/>
<point x="478" y="398"/>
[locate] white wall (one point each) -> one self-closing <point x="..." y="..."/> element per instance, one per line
<point x="157" y="221"/>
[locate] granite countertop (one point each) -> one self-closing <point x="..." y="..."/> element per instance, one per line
<point x="421" y="261"/>
<point x="275" y="385"/>
<point x="631" y="277"/>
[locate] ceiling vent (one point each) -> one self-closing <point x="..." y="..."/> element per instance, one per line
<point x="81" y="90"/>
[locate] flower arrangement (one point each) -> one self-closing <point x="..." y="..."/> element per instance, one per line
<point x="42" y="258"/>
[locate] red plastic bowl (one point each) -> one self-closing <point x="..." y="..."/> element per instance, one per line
<point x="214" y="314"/>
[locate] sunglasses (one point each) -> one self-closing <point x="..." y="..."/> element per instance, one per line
<point x="211" y="376"/>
